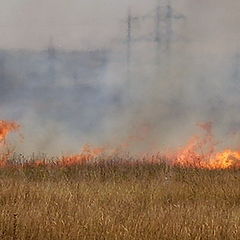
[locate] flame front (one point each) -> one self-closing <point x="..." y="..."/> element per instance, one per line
<point x="220" y="160"/>
<point x="5" y="129"/>
<point x="225" y="159"/>
<point x="87" y="154"/>
<point x="200" y="152"/>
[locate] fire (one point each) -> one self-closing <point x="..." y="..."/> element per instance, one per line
<point x="200" y="152"/>
<point x="87" y="154"/>
<point x="220" y="160"/>
<point x="5" y="129"/>
<point x="188" y="155"/>
<point x="225" y="159"/>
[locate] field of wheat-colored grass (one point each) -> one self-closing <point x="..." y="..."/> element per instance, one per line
<point x="119" y="201"/>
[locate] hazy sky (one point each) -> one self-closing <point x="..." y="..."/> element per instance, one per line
<point x="98" y="23"/>
<point x="193" y="82"/>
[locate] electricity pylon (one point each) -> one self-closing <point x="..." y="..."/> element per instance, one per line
<point x="163" y="17"/>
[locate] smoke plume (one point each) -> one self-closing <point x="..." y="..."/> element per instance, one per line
<point x="65" y="77"/>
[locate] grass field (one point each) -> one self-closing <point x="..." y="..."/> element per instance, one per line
<point x="119" y="201"/>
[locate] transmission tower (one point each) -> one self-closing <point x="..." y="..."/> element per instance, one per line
<point x="163" y="16"/>
<point x="158" y="32"/>
<point x="168" y="17"/>
<point x="168" y="21"/>
<point x="129" y="42"/>
<point x="2" y="68"/>
<point x="51" y="60"/>
<point x="236" y="70"/>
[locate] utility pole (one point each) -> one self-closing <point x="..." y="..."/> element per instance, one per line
<point x="129" y="43"/>
<point x="236" y="70"/>
<point x="3" y="75"/>
<point x="169" y="17"/>
<point x="163" y="16"/>
<point x="158" y="33"/>
<point x="51" y="61"/>
<point x="157" y="25"/>
<point x="164" y="27"/>
<point x="2" y="68"/>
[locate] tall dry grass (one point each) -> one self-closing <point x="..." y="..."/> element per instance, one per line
<point x="119" y="201"/>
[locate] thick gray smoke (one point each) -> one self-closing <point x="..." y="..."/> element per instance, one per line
<point x="70" y="83"/>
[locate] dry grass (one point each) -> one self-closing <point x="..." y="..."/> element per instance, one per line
<point x="119" y="202"/>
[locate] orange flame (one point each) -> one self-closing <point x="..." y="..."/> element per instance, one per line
<point x="5" y="129"/>
<point x="87" y="154"/>
<point x="225" y="159"/>
<point x="200" y="152"/>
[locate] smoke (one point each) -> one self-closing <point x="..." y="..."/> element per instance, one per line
<point x="75" y="88"/>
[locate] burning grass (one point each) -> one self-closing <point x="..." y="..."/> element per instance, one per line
<point x="200" y="152"/>
<point x="191" y="193"/>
